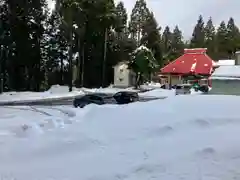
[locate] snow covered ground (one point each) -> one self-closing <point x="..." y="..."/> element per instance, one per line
<point x="159" y="93"/>
<point x="180" y="137"/>
<point x="54" y="93"/>
<point x="57" y="92"/>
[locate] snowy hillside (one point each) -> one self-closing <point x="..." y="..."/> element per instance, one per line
<point x="181" y="137"/>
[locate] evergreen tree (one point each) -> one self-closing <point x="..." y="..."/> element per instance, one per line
<point x="177" y="43"/>
<point x="5" y="45"/>
<point x="222" y="40"/>
<point x="210" y="38"/>
<point x="34" y="48"/>
<point x="119" y="38"/>
<point x="34" y="51"/>
<point x="97" y="20"/>
<point x="68" y="10"/>
<point x="197" y="40"/>
<point x="56" y="51"/>
<point x="233" y="37"/>
<point x="26" y="19"/>
<point x="167" y="43"/>
<point x="140" y="14"/>
<point x="120" y="45"/>
<point x="151" y="37"/>
<point x="121" y="15"/>
<point x="143" y="64"/>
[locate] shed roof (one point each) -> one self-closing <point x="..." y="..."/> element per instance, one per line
<point x="120" y="64"/>
<point x="227" y="71"/>
<point x="226" y="62"/>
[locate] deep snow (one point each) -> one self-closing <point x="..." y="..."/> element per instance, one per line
<point x="181" y="137"/>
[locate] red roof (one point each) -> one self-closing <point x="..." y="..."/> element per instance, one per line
<point x="193" y="61"/>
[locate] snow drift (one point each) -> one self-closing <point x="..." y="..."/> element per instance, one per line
<point x="182" y="137"/>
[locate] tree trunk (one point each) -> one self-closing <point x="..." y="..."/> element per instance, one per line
<point x="82" y="64"/>
<point x="61" y="71"/>
<point x="104" y="57"/>
<point x="78" y="69"/>
<point x="70" y="59"/>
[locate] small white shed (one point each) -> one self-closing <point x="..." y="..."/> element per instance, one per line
<point x="123" y="77"/>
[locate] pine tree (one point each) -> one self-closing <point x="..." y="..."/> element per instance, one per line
<point x="94" y="19"/>
<point x="197" y="40"/>
<point x="151" y="37"/>
<point x="68" y="10"/>
<point x="233" y="37"/>
<point x="5" y="41"/>
<point x="143" y="64"/>
<point x="121" y="13"/>
<point x="222" y="40"/>
<point x="166" y="43"/>
<point x="210" y="38"/>
<point x="120" y="45"/>
<point x="140" y="14"/>
<point x="56" y="50"/>
<point x="177" y="43"/>
<point x="26" y="19"/>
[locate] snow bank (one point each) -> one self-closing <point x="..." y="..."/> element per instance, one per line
<point x="57" y="89"/>
<point x="150" y="85"/>
<point x="185" y="137"/>
<point x="108" y="90"/>
<point x="56" y="92"/>
<point x="158" y="93"/>
<point x="26" y="121"/>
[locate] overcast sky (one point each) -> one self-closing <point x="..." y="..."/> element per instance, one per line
<point x="184" y="13"/>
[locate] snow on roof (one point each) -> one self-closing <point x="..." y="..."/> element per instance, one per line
<point x="224" y="78"/>
<point x="141" y="48"/>
<point x="120" y="64"/>
<point x="123" y="66"/>
<point x="227" y="71"/>
<point x="226" y="62"/>
<point x="195" y="51"/>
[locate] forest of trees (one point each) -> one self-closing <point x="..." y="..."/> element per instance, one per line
<point x="38" y="48"/>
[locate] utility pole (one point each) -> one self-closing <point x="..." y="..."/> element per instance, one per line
<point x="104" y="57"/>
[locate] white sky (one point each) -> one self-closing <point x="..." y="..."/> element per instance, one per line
<point x="184" y="13"/>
